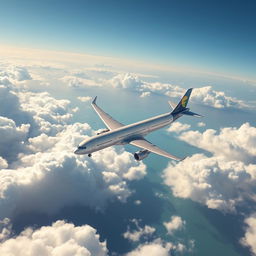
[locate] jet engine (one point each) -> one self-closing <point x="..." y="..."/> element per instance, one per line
<point x="102" y="131"/>
<point x="142" y="154"/>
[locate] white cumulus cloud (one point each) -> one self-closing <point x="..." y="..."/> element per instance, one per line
<point x="85" y="98"/>
<point x="52" y="176"/>
<point x="59" y="239"/>
<point x="12" y="139"/>
<point x="231" y="142"/>
<point x="45" y="174"/>
<point x="224" y="180"/>
<point x="79" y="82"/>
<point x="212" y="181"/>
<point x="217" y="99"/>
<point x="203" y="95"/>
<point x="174" y="224"/>
<point x="250" y="233"/>
<point x="13" y="74"/>
<point x="152" y="249"/>
<point x="139" y="232"/>
<point x="201" y="124"/>
<point x="145" y="94"/>
<point x="158" y="248"/>
<point x="178" y="127"/>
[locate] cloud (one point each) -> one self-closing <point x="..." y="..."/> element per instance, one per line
<point x="212" y="181"/>
<point x="178" y="127"/>
<point x="204" y="95"/>
<point x="79" y="82"/>
<point x="224" y="180"/>
<point x="85" y="99"/>
<point x="126" y="81"/>
<point x="28" y="115"/>
<point x="250" y="233"/>
<point x="45" y="175"/>
<point x="48" y="113"/>
<point x="12" y="139"/>
<point x="140" y="232"/>
<point x="3" y="163"/>
<point x="231" y="143"/>
<point x="217" y="99"/>
<point x="133" y="82"/>
<point x="41" y="111"/>
<point x="14" y="74"/>
<point x="153" y="249"/>
<point x="52" y="176"/>
<point x="137" y="202"/>
<point x="60" y="238"/>
<point x="14" y="110"/>
<point x="201" y="124"/>
<point x="145" y="94"/>
<point x="5" y="229"/>
<point x="174" y="224"/>
<point x="158" y="248"/>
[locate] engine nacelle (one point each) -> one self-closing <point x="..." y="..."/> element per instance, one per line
<point x="142" y="154"/>
<point x="102" y="131"/>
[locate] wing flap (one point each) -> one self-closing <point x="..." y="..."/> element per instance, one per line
<point x="110" y="122"/>
<point x="143" y="143"/>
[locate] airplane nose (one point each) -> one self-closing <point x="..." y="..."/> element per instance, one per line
<point x="77" y="151"/>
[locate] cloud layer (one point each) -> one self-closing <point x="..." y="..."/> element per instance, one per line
<point x="205" y="95"/>
<point x="231" y="143"/>
<point x="222" y="181"/>
<point x="59" y="239"/>
<point x="41" y="171"/>
<point x="250" y="233"/>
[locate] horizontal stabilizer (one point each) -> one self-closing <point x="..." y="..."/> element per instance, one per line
<point x="190" y="113"/>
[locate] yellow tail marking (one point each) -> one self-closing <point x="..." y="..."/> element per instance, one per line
<point x="184" y="101"/>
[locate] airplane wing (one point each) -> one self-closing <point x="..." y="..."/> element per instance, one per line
<point x="106" y="118"/>
<point x="143" y="143"/>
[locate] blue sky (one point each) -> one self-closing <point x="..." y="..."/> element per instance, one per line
<point x="216" y="36"/>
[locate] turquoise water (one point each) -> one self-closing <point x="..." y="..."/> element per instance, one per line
<point x="213" y="232"/>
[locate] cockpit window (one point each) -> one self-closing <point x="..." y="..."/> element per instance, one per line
<point x="81" y="147"/>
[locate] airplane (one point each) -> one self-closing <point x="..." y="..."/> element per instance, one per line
<point x="120" y="134"/>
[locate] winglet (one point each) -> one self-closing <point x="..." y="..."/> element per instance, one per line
<point x="94" y="100"/>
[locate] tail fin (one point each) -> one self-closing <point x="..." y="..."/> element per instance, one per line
<point x="183" y="102"/>
<point x="182" y="105"/>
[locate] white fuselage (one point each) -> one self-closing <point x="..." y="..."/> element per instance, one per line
<point x="125" y="134"/>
